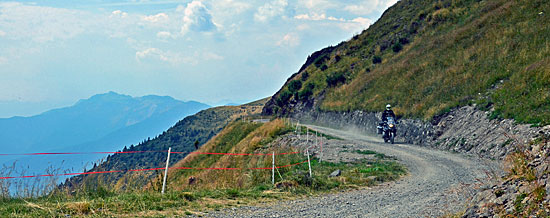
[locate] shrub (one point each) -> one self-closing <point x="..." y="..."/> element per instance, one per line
<point x="294" y="86"/>
<point x="404" y="41"/>
<point x="306" y="92"/>
<point x="305" y="75"/>
<point x="397" y="47"/>
<point x="376" y="59"/>
<point x="337" y="58"/>
<point x="335" y="78"/>
<point x="284" y="96"/>
<point x="320" y="60"/>
<point x="441" y="15"/>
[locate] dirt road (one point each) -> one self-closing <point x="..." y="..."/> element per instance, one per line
<point x="439" y="182"/>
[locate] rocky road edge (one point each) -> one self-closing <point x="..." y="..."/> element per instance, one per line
<point x="439" y="183"/>
<point x="523" y="192"/>
<point x="465" y="129"/>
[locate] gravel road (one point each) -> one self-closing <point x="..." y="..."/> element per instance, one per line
<point x="439" y="182"/>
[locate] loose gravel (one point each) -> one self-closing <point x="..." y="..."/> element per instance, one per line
<point x="438" y="183"/>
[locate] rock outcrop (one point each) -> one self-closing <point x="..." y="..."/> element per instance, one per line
<point x="524" y="192"/>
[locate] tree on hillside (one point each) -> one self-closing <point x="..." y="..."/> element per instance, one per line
<point x="294" y="86"/>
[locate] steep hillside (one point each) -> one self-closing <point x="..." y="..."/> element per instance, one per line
<point x="239" y="137"/>
<point x="181" y="138"/>
<point x="427" y="57"/>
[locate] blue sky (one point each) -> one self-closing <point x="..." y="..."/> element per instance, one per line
<point x="53" y="53"/>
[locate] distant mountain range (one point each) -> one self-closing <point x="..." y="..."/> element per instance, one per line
<point x="104" y="122"/>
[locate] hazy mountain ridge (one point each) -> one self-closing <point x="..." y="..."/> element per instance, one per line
<point x="91" y="119"/>
<point x="102" y="123"/>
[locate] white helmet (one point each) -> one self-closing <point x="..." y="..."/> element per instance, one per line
<point x="388" y="106"/>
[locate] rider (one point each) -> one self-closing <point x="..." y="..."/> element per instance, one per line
<point x="387" y="112"/>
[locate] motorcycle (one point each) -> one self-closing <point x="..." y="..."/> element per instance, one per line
<point x="388" y="129"/>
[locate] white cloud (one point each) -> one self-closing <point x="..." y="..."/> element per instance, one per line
<point x="118" y="24"/>
<point x="119" y="13"/>
<point x="197" y="18"/>
<point x="158" y="18"/>
<point x="41" y="24"/>
<point x="317" y="17"/>
<point x="232" y="29"/>
<point x="226" y="14"/>
<point x="180" y="9"/>
<point x="289" y="40"/>
<point x="355" y="25"/>
<point x="226" y="8"/>
<point x="362" y="21"/>
<point x="164" y="35"/>
<point x="176" y="58"/>
<point x="303" y="27"/>
<point x="368" y="6"/>
<point x="316" y="5"/>
<point x="313" y="16"/>
<point x="131" y="41"/>
<point x="335" y="19"/>
<point x="212" y="56"/>
<point x="270" y="10"/>
<point x="390" y="3"/>
<point x="362" y="9"/>
<point x="3" y="60"/>
<point x="2" y="33"/>
<point x="165" y="56"/>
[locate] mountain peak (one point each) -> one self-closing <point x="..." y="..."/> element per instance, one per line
<point x="157" y="97"/>
<point x="105" y="97"/>
<point x="110" y="95"/>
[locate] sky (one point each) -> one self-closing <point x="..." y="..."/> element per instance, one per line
<point x="53" y="53"/>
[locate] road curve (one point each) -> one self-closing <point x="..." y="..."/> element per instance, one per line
<point x="439" y="182"/>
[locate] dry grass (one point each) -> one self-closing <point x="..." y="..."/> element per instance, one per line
<point x="528" y="203"/>
<point x="245" y="138"/>
<point x="82" y="207"/>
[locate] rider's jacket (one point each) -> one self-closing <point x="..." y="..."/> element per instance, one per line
<point x="386" y="114"/>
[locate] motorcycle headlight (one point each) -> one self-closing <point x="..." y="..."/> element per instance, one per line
<point x="391" y="125"/>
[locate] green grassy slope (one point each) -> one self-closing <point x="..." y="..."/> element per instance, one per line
<point x="427" y="57"/>
<point x="181" y="138"/>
